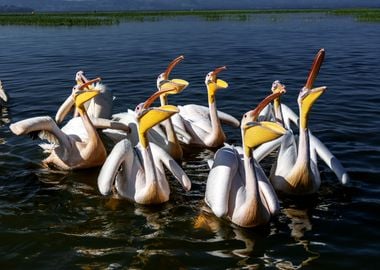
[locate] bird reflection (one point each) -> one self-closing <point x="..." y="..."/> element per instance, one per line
<point x="224" y="230"/>
<point x="299" y="224"/>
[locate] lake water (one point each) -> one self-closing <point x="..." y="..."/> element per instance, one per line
<point x="51" y="219"/>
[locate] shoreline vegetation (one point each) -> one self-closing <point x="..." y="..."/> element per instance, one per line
<point x="111" y="18"/>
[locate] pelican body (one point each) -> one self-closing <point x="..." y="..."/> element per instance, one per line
<point x="83" y="149"/>
<point x="237" y="188"/>
<point x="137" y="172"/>
<point x="296" y="169"/>
<point x="202" y="124"/>
<point x="98" y="107"/>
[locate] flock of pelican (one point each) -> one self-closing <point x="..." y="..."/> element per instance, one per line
<point x="148" y="143"/>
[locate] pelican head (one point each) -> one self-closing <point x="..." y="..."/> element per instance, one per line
<point x="306" y="99"/>
<point x="152" y="116"/>
<point x="257" y="133"/>
<point x="82" y="96"/>
<point x="213" y="83"/>
<point x="83" y="82"/>
<point x="163" y="81"/>
<point x="142" y="107"/>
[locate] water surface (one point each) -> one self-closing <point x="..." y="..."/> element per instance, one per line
<point x="51" y="219"/>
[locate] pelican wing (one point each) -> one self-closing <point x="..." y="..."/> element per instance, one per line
<point x="161" y="155"/>
<point x="267" y="190"/>
<point x="3" y="94"/>
<point x="45" y="127"/>
<point x="266" y="148"/>
<point x="331" y="161"/>
<point x="289" y="116"/>
<point x="219" y="181"/>
<point x="64" y="109"/>
<point x="195" y="112"/>
<point x="110" y="168"/>
<point x="101" y="105"/>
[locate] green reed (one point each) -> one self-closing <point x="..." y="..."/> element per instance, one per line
<point x="111" y="18"/>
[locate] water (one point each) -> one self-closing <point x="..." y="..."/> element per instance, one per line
<point x="51" y="219"/>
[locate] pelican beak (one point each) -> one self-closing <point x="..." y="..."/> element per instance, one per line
<point x="151" y="117"/>
<point x="315" y="67"/>
<point x="257" y="133"/>
<point x="88" y="83"/>
<point x="253" y="115"/>
<point x="172" y="65"/>
<point x="219" y="83"/>
<point x="177" y="86"/>
<point x="81" y="97"/>
<point x="168" y="88"/>
<point x="306" y="100"/>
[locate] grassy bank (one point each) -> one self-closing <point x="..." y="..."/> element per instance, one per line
<point x="110" y="18"/>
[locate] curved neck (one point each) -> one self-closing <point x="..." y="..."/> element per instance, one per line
<point x="216" y="136"/>
<point x="91" y="131"/>
<point x="303" y="147"/>
<point x="251" y="184"/>
<point x="149" y="167"/>
<point x="278" y="111"/>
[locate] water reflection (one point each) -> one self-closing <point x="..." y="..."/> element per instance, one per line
<point x="223" y="230"/>
<point x="298" y="225"/>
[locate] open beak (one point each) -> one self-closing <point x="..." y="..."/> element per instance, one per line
<point x="219" y="83"/>
<point x="257" y="133"/>
<point x="315" y="67"/>
<point x="307" y="99"/>
<point x="172" y="65"/>
<point x="151" y="117"/>
<point x="157" y="94"/>
<point x="81" y="97"/>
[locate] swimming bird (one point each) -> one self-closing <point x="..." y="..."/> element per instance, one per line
<point x="77" y="145"/>
<point x="3" y="94"/>
<point x="98" y="107"/>
<point x="296" y="168"/>
<point x="237" y="188"/>
<point x="201" y="123"/>
<point x="137" y="173"/>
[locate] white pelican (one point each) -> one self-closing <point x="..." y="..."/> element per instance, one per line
<point x="137" y="172"/>
<point x="3" y="94"/>
<point x="296" y="169"/>
<point x="98" y="107"/>
<point x="77" y="145"/>
<point x="237" y="187"/>
<point x="201" y="123"/>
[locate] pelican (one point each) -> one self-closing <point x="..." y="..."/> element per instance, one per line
<point x="201" y="123"/>
<point x="137" y="173"/>
<point x="75" y="146"/>
<point x="163" y="134"/>
<point x="3" y="94"/>
<point x="237" y="187"/>
<point x="98" y="107"/>
<point x="296" y="169"/>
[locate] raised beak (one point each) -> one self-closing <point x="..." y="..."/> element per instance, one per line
<point x="315" y="67"/>
<point x="172" y="65"/>
<point x="253" y="115"/>
<point x="152" y="116"/>
<point x="88" y="83"/>
<point x="157" y="94"/>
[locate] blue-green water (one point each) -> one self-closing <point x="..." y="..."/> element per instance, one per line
<point x="51" y="219"/>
